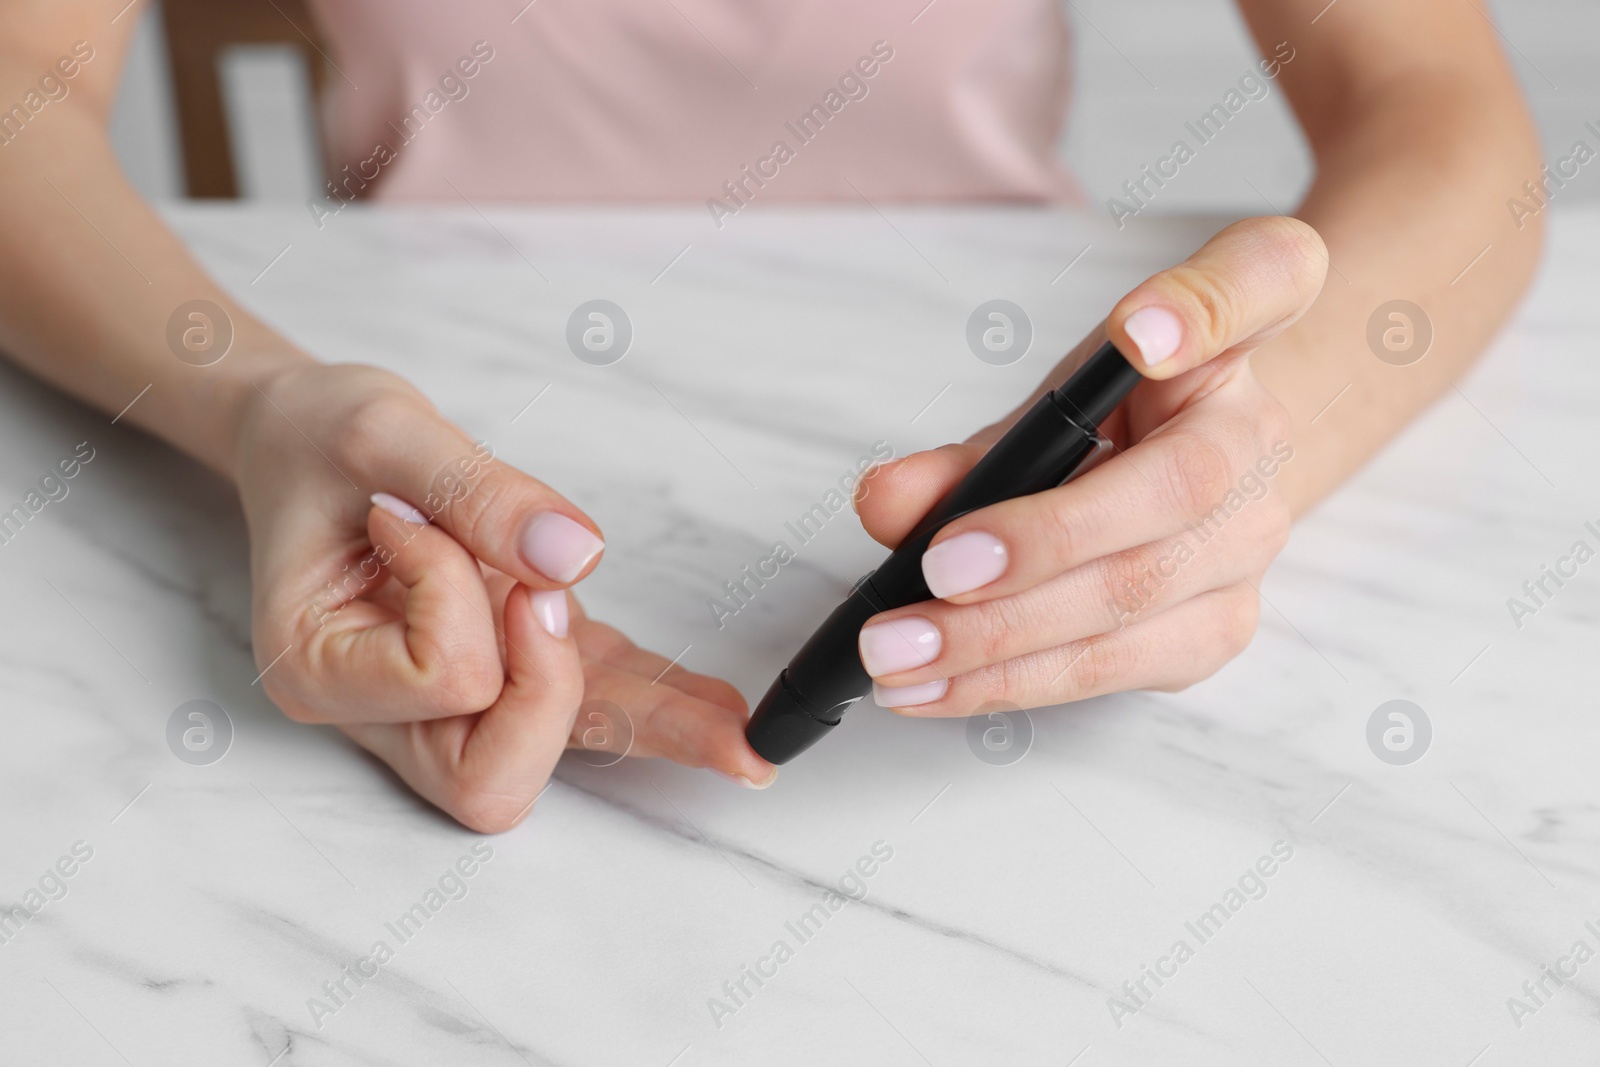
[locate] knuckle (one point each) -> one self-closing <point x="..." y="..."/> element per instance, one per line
<point x="1216" y="303"/>
<point x="472" y="509"/>
<point x="998" y="624"/>
<point x="1266" y="517"/>
<point x="1235" y="628"/>
<point x="277" y="681"/>
<point x="1199" y="473"/>
<point x="1009" y="681"/>
<point x="998" y="682"/>
<point x="1127" y="579"/>
<point x="1097" y="667"/>
<point x="372" y="424"/>
<point x="1241" y="613"/>
<point x="281" y="690"/>
<point x="463" y="681"/>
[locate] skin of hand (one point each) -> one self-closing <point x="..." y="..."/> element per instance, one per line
<point x="431" y="623"/>
<point x="1140" y="573"/>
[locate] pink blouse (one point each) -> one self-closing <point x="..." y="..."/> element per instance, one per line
<point x="725" y="102"/>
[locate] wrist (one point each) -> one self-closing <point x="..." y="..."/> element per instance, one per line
<point x="243" y="380"/>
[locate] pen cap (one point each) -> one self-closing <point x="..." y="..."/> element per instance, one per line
<point x="1097" y="387"/>
<point x="782" y="726"/>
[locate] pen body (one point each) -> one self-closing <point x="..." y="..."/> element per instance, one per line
<point x="1040" y="451"/>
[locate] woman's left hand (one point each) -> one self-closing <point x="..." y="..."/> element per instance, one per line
<point x="598" y="693"/>
<point x="1141" y="573"/>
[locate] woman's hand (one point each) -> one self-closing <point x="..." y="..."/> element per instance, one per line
<point x="1141" y="573"/>
<point x="487" y="769"/>
<point x="409" y="588"/>
<point x="343" y="633"/>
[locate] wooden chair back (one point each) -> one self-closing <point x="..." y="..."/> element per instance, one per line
<point x="197" y="33"/>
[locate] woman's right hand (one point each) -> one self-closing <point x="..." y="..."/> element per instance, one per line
<point x="418" y="608"/>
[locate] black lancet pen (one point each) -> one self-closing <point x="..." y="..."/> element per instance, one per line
<point x="1046" y="447"/>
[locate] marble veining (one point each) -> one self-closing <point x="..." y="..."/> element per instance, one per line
<point x="768" y="358"/>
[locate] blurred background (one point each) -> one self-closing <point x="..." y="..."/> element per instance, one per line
<point x="1143" y="68"/>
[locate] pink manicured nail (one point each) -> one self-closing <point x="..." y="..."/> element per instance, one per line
<point x="740" y="780"/>
<point x="908" y="696"/>
<point x="557" y="547"/>
<point x="965" y="562"/>
<point x="899" y="645"/>
<point x="551" y="610"/>
<point x="1156" y="332"/>
<point x="399" y="509"/>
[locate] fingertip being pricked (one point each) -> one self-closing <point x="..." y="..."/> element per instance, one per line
<point x="759" y="780"/>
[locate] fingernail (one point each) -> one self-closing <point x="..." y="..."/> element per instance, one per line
<point x="399" y="509"/>
<point x="740" y="780"/>
<point x="1156" y="332"/>
<point x="965" y="562"/>
<point x="899" y="645"/>
<point x="551" y="610"/>
<point x="558" y="547"/>
<point x="908" y="696"/>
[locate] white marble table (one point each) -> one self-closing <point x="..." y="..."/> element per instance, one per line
<point x="768" y="358"/>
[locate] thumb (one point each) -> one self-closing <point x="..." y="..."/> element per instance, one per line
<point x="516" y="743"/>
<point x="1248" y="283"/>
<point x="507" y="519"/>
<point x="488" y="769"/>
<point x="1245" y="285"/>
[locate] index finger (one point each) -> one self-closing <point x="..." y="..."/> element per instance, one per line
<point x="1178" y="477"/>
<point x="506" y="518"/>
